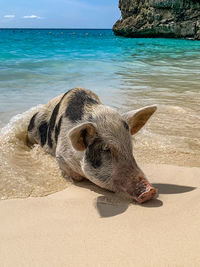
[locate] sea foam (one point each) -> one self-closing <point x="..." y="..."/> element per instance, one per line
<point x="26" y="171"/>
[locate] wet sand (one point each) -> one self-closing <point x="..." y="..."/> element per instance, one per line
<point x="84" y="225"/>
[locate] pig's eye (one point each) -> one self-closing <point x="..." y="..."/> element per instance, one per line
<point x="106" y="148"/>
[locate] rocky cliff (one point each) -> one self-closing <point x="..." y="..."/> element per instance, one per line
<point x="159" y="18"/>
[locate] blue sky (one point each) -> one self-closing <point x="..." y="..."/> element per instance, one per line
<point x="58" y="13"/>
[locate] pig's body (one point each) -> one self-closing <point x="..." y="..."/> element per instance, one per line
<point x="93" y="141"/>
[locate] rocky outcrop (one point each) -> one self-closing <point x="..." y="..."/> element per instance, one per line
<point x="159" y="18"/>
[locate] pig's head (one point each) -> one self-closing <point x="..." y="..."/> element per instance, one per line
<point x="108" y="160"/>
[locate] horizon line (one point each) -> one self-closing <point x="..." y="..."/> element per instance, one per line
<point x="49" y="28"/>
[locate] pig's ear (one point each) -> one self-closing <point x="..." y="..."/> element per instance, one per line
<point x="81" y="136"/>
<point x="136" y="119"/>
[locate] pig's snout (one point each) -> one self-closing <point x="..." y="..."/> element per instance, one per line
<point x="149" y="194"/>
<point x="139" y="189"/>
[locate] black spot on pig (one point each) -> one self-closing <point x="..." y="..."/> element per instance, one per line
<point x="43" y="128"/>
<point x="53" y="121"/>
<point x="93" y="153"/>
<point x="32" y="122"/>
<point x="57" y="129"/>
<point x="76" y="105"/>
<point x="52" y="124"/>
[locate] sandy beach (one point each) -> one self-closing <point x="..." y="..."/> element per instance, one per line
<point x="84" y="225"/>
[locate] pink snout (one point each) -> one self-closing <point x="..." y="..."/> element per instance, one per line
<point x="142" y="193"/>
<point x="149" y="194"/>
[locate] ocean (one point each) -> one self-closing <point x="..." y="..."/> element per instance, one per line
<point x="37" y="65"/>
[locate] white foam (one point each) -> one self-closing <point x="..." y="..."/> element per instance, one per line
<point x="26" y="171"/>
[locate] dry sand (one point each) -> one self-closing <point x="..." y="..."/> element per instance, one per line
<point x="87" y="226"/>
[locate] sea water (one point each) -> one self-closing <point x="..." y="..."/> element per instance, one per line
<point x="37" y="65"/>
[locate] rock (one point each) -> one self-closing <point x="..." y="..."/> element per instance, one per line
<point x="159" y="18"/>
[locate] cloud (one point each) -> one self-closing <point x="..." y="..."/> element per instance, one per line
<point x="32" y="17"/>
<point x="9" y="16"/>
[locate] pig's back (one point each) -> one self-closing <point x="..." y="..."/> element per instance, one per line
<point x="60" y="113"/>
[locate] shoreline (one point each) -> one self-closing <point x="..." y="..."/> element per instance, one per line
<point x="84" y="225"/>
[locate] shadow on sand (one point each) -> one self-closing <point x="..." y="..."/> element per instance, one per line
<point x="173" y="188"/>
<point x="110" y="204"/>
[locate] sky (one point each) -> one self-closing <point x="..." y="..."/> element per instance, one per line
<point x="58" y="13"/>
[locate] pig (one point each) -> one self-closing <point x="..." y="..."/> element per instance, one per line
<point x="93" y="141"/>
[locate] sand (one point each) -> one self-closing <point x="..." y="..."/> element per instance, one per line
<point x="87" y="226"/>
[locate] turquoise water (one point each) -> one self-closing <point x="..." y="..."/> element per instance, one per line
<point x="37" y="65"/>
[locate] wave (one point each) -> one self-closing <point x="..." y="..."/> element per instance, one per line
<point x="26" y="171"/>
